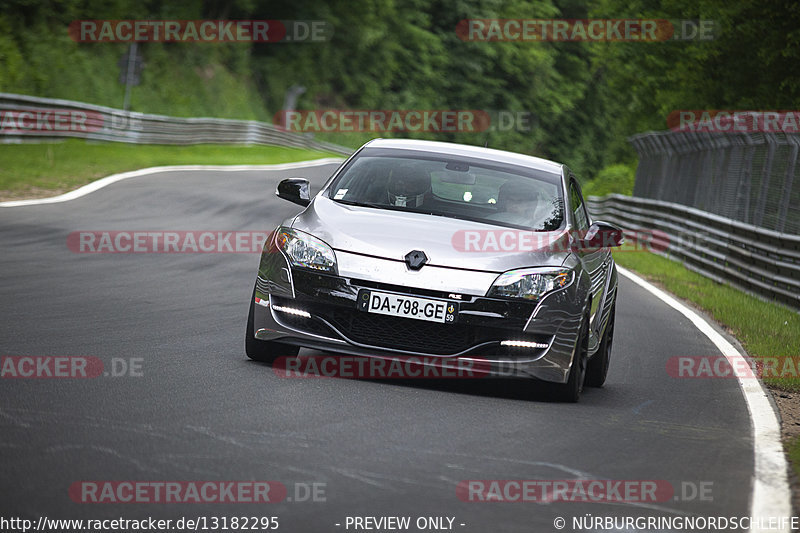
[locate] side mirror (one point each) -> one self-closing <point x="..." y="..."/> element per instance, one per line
<point x="602" y="235"/>
<point x="295" y="190"/>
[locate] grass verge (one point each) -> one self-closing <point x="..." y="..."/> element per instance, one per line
<point x="793" y="451"/>
<point x="43" y="169"/>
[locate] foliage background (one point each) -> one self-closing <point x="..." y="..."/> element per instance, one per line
<point x="587" y="98"/>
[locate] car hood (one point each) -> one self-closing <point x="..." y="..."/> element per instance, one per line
<point x="447" y="242"/>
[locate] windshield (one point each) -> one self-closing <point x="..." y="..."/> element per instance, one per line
<point x="469" y="190"/>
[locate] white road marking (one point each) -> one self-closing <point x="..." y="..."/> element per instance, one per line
<point x="771" y="496"/>
<point x="114" y="178"/>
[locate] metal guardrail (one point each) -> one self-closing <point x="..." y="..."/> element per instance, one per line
<point x="757" y="260"/>
<point x="26" y="118"/>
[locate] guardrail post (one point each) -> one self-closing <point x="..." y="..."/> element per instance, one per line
<point x="766" y="172"/>
<point x="745" y="177"/>
<point x="787" y="185"/>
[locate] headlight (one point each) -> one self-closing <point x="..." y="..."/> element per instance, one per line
<point x="531" y="283"/>
<point x="305" y="251"/>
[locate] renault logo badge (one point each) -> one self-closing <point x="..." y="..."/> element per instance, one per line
<point x="416" y="259"/>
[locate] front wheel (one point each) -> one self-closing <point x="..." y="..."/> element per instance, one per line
<point x="263" y="351"/>
<point x="571" y="390"/>
<point x="597" y="369"/>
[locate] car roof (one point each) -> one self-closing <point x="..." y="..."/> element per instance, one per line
<point x="465" y="150"/>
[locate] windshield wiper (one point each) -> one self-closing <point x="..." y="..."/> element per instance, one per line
<point x="362" y="204"/>
<point x="401" y="209"/>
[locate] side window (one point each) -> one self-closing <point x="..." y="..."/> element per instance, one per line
<point x="577" y="207"/>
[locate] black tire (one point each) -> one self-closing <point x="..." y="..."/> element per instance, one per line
<point x="571" y="390"/>
<point x="264" y="351"/>
<point x="597" y="368"/>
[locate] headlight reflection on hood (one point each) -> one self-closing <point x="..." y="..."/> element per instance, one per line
<point x="305" y="251"/>
<point x="531" y="283"/>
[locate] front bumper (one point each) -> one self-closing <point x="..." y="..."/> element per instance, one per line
<point x="328" y="319"/>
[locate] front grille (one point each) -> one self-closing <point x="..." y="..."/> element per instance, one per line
<point x="397" y="333"/>
<point x="402" y="333"/>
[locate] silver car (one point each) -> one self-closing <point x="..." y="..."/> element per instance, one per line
<point x="443" y="252"/>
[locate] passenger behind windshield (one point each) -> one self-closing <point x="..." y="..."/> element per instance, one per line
<point x="521" y="204"/>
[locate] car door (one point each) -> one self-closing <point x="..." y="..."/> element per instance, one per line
<point x="595" y="261"/>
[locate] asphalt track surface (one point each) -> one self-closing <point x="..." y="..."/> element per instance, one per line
<point x="202" y="411"/>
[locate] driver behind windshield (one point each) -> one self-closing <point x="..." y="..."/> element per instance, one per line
<point x="408" y="187"/>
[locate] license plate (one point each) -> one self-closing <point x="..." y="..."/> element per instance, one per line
<point x="385" y="303"/>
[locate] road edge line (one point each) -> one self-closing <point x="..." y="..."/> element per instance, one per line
<point x="771" y="496"/>
<point x="114" y="178"/>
